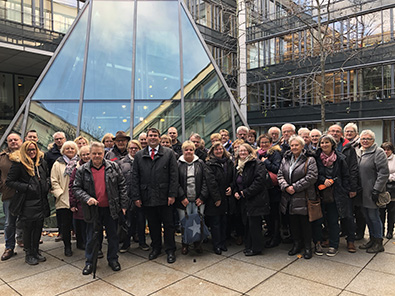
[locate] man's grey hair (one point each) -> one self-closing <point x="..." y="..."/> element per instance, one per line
<point x="290" y="125"/>
<point x="96" y="144"/>
<point x="58" y="133"/>
<point x="246" y="129"/>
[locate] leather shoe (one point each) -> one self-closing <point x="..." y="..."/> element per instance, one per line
<point x="224" y="248"/>
<point x="252" y="253"/>
<point x="87" y="269"/>
<point x="295" y="250"/>
<point x="217" y="251"/>
<point x="308" y="253"/>
<point x="115" y="266"/>
<point x="68" y="252"/>
<point x="171" y="257"/>
<point x="154" y="254"/>
<point x="351" y="247"/>
<point x="389" y="235"/>
<point x="8" y="253"/>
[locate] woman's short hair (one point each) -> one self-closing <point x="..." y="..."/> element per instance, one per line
<point x="81" y="138"/>
<point x="352" y="125"/>
<point x="137" y="143"/>
<point x="296" y="138"/>
<point x="237" y="142"/>
<point x="264" y="136"/>
<point x="188" y="143"/>
<point x="215" y="135"/>
<point x="108" y="135"/>
<point x="69" y="144"/>
<point x="165" y="137"/>
<point x="388" y="146"/>
<point x="330" y="138"/>
<point x="368" y="132"/>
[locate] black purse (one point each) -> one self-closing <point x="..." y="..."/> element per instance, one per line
<point x="17" y="202"/>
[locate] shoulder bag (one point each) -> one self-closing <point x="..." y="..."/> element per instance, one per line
<point x="313" y="206"/>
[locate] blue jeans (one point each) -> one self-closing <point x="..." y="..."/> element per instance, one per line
<point x="332" y="217"/>
<point x="9" y="226"/>
<point x="373" y="220"/>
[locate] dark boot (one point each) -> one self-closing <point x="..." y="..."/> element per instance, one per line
<point x="377" y="246"/>
<point x="38" y="256"/>
<point x="389" y="233"/>
<point x="185" y="249"/>
<point x="308" y="253"/>
<point x="368" y="245"/>
<point x="30" y="259"/>
<point x="296" y="248"/>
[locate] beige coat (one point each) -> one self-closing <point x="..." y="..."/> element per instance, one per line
<point x="60" y="184"/>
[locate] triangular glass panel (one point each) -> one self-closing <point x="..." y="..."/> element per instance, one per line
<point x="63" y="79"/>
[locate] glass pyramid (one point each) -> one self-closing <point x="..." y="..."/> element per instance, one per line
<point x="130" y="65"/>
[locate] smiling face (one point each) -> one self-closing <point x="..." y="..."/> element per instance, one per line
<point x="243" y="152"/>
<point x="315" y="137"/>
<point x="350" y="133"/>
<point x="108" y="142"/>
<point x="97" y="156"/>
<point x="153" y="139"/>
<point x="14" y="142"/>
<point x="165" y="142"/>
<point x="264" y="144"/>
<point x="219" y="151"/>
<point x="133" y="148"/>
<point x="59" y="140"/>
<point x="296" y="148"/>
<point x="224" y="137"/>
<point x="287" y="132"/>
<point x="69" y="151"/>
<point x="336" y="132"/>
<point x="173" y="134"/>
<point x="326" y="146"/>
<point x="32" y="151"/>
<point x="143" y="141"/>
<point x="366" y="141"/>
<point x="85" y="154"/>
<point x="81" y="142"/>
<point x="188" y="153"/>
<point x="242" y="134"/>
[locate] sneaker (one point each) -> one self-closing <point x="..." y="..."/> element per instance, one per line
<point x="318" y="250"/>
<point x="123" y="249"/>
<point x="332" y="252"/>
<point x="144" y="247"/>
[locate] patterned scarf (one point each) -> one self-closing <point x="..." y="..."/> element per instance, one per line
<point x="70" y="165"/>
<point x="241" y="163"/>
<point x="328" y="160"/>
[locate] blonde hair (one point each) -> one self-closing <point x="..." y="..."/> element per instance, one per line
<point x="27" y="162"/>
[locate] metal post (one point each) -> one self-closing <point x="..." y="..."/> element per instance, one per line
<point x="181" y="74"/>
<point x="82" y="91"/>
<point x="132" y="93"/>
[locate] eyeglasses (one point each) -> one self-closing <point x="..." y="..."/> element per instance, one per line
<point x="31" y="150"/>
<point x="366" y="139"/>
<point x="58" y="139"/>
<point x="265" y="143"/>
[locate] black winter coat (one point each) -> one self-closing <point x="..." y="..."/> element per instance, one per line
<point x="256" y="197"/>
<point x="341" y="185"/>
<point x="272" y="164"/>
<point x="154" y="181"/>
<point x="352" y="164"/>
<point x="84" y="189"/>
<point x="51" y="156"/>
<point x="223" y="180"/>
<point x="36" y="188"/>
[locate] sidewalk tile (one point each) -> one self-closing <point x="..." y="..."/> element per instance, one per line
<point x="194" y="286"/>
<point x="97" y="288"/>
<point x="283" y="284"/>
<point x="383" y="262"/>
<point x="235" y="274"/>
<point x="374" y="283"/>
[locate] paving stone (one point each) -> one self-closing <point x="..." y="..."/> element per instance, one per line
<point x="97" y="288"/>
<point x="283" y="284"/>
<point x="5" y="290"/>
<point x="373" y="283"/>
<point x="145" y="278"/>
<point x="235" y="274"/>
<point x="383" y="262"/>
<point x="194" y="286"/>
<point x="323" y="271"/>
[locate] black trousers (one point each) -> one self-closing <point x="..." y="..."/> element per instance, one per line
<point x="157" y="216"/>
<point x="218" y="230"/>
<point x="390" y="211"/>
<point x="301" y="229"/>
<point x="273" y="220"/>
<point x="31" y="235"/>
<point x="80" y="232"/>
<point x="66" y="225"/>
<point x="254" y="236"/>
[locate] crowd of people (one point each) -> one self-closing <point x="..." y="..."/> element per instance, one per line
<point x="237" y="187"/>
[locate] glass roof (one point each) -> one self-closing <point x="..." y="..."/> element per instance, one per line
<point x="112" y="42"/>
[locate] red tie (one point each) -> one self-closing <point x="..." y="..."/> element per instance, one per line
<point x="152" y="154"/>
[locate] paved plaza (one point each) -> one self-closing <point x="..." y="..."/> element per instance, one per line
<point x="232" y="273"/>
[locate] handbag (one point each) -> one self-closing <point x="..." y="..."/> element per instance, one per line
<point x="313" y="206"/>
<point x="17" y="202"/>
<point x="273" y="176"/>
<point x="327" y="195"/>
<point x="193" y="228"/>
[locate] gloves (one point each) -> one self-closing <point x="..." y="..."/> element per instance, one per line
<point x="375" y="196"/>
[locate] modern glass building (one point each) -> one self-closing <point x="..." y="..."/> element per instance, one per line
<point x="129" y="65"/>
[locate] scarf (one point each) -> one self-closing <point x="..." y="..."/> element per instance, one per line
<point x="328" y="160"/>
<point x="70" y="165"/>
<point x="262" y="152"/>
<point x="241" y="163"/>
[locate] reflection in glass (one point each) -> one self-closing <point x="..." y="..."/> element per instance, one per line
<point x="99" y="117"/>
<point x="157" y="52"/>
<point x="49" y="117"/>
<point x="109" y="69"/>
<point x="63" y="79"/>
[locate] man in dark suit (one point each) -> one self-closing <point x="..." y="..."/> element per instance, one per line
<point x="155" y="187"/>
